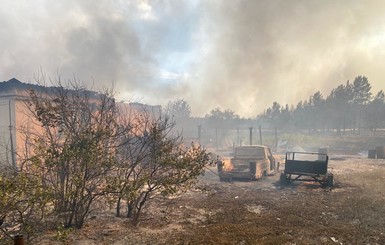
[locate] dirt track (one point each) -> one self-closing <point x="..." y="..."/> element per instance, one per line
<point x="260" y="212"/>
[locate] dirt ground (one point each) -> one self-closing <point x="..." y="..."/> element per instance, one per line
<point x="259" y="212"/>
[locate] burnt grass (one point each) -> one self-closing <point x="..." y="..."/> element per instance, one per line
<point x="305" y="215"/>
<point x="258" y="212"/>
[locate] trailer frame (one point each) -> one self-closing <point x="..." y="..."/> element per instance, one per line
<point x="307" y="166"/>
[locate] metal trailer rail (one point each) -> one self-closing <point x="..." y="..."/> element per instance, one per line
<point x="306" y="166"/>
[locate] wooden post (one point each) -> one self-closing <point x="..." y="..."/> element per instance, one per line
<point x="199" y="134"/>
<point x="216" y="137"/>
<point x="276" y="138"/>
<point x="251" y="135"/>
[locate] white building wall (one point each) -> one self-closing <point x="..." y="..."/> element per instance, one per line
<point x="7" y="129"/>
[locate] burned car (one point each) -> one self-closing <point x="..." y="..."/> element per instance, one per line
<point x="249" y="163"/>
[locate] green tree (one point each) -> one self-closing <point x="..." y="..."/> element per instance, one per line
<point x="273" y="115"/>
<point x="361" y="91"/>
<point x="317" y="108"/>
<point x="301" y="116"/>
<point x="361" y="97"/>
<point x="286" y="118"/>
<point x="24" y="204"/>
<point x="75" y="148"/>
<point x="375" y="113"/>
<point x="125" y="178"/>
<point x="221" y="122"/>
<point x="178" y="109"/>
<point x="339" y="107"/>
<point x="180" y="112"/>
<point x="154" y="164"/>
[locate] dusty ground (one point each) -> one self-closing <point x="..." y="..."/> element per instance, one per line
<point x="260" y="212"/>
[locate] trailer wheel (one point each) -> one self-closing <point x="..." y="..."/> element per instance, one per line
<point x="283" y="180"/>
<point x="330" y="181"/>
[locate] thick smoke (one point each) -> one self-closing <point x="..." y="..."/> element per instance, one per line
<point x="265" y="51"/>
<point x="238" y="55"/>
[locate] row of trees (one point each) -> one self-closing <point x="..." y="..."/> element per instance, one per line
<point x="215" y="126"/>
<point x="350" y="106"/>
<point x="82" y="149"/>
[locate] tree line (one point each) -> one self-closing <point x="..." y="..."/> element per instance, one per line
<point x="349" y="107"/>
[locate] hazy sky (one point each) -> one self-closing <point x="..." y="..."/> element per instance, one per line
<point x="238" y="55"/>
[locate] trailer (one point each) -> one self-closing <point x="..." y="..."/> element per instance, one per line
<point x="306" y="166"/>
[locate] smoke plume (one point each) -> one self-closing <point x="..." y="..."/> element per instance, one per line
<point x="238" y="55"/>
